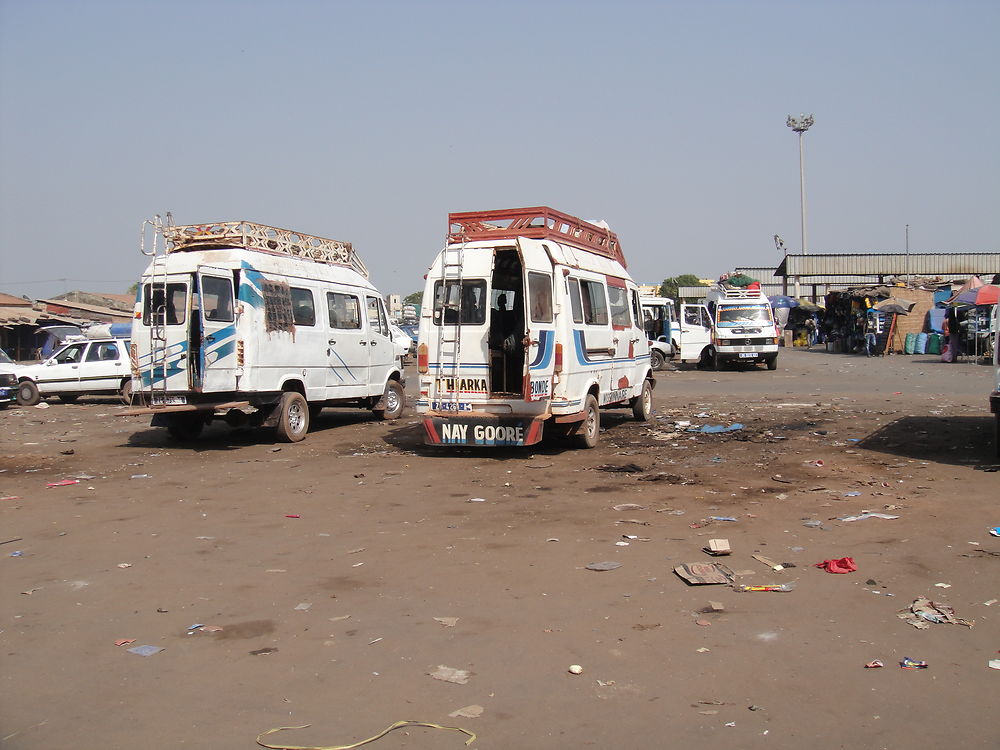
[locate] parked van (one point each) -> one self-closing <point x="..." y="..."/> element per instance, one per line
<point x="530" y="323"/>
<point x="659" y="319"/>
<point x="734" y="325"/>
<point x="258" y="325"/>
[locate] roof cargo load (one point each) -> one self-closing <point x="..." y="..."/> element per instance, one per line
<point x="264" y="239"/>
<point x="539" y="223"/>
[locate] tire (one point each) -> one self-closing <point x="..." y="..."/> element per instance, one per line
<point x="27" y="393"/>
<point x="656" y="359"/>
<point x="293" y="417"/>
<point x="185" y="427"/>
<point x="125" y="392"/>
<point x="642" y="406"/>
<point x="772" y="363"/>
<point x="68" y="398"/>
<point x="394" y="400"/>
<point x="590" y="428"/>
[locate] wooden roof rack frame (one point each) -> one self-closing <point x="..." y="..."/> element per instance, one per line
<point x="262" y="238"/>
<point x="538" y="222"/>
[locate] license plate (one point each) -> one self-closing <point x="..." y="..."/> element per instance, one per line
<point x="160" y="400"/>
<point x="748" y="355"/>
<point x="450" y="406"/>
<point x="498" y="432"/>
<point x="5" y="393"/>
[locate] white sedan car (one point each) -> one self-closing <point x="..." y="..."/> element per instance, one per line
<point x="92" y="367"/>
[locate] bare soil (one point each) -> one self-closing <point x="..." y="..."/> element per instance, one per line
<point x="325" y="564"/>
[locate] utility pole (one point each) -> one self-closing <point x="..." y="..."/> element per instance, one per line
<point x="800" y="125"/>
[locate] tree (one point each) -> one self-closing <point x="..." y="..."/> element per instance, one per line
<point x="669" y="286"/>
<point x="133" y="289"/>
<point x="414" y="299"/>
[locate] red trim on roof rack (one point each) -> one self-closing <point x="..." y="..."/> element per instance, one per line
<point x="539" y="223"/>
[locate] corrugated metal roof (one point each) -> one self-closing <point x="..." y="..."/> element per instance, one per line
<point x="890" y="264"/>
<point x="13" y="316"/>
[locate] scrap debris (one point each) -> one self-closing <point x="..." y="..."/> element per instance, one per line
<point x="923" y="612"/>
<point x="450" y="674"/>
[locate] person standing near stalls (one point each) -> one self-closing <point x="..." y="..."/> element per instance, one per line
<point x="871" y="339"/>
<point x="810" y="331"/>
<point x="950" y="330"/>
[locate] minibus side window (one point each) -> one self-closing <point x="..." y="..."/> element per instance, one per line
<point x="574" y="300"/>
<point x="618" y="297"/>
<point x="344" y="311"/>
<point x="303" y="309"/>
<point x="451" y="296"/>
<point x="636" y="314"/>
<point x="175" y="304"/>
<point x="217" y="299"/>
<point x="540" y="297"/>
<point x="376" y="318"/>
<point x="595" y="304"/>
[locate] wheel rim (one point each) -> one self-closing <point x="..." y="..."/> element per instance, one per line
<point x="647" y="400"/>
<point x="391" y="401"/>
<point x="591" y="426"/>
<point x="296" y="417"/>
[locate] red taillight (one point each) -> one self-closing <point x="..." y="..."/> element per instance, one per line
<point x="422" y="360"/>
<point x="558" y="364"/>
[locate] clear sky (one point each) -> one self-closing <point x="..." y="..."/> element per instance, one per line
<point x="369" y="121"/>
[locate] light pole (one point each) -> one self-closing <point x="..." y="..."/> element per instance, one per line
<point x="800" y="125"/>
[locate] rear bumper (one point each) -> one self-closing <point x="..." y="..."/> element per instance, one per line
<point x="482" y="431"/>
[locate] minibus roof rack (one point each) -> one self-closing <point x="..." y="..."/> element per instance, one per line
<point x="262" y="238"/>
<point x="538" y="222"/>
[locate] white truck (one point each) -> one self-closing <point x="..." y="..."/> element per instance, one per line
<point x="733" y="325"/>
<point x="257" y="325"/>
<point x="659" y="320"/>
<point x="529" y="322"/>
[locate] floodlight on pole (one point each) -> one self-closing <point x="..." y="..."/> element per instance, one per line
<point x="800" y="125"/>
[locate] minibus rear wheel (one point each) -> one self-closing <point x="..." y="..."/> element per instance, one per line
<point x="186" y="426"/>
<point x="590" y="429"/>
<point x="293" y="417"/>
<point x="656" y="359"/>
<point x="642" y="406"/>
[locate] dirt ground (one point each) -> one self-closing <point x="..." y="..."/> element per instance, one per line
<point x="325" y="564"/>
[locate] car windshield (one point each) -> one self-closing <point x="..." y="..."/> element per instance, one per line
<point x="730" y="316"/>
<point x="4" y="359"/>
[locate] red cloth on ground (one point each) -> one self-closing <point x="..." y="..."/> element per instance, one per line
<point x="843" y="565"/>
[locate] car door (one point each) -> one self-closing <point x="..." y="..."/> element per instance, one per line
<point x="347" y="347"/>
<point x="61" y="373"/>
<point x="696" y="331"/>
<point x="217" y="356"/>
<point x="539" y="361"/>
<point x="103" y="367"/>
<point x="381" y="355"/>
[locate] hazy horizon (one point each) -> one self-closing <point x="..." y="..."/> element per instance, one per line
<point x="369" y="122"/>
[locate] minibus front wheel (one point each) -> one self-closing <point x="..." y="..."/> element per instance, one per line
<point x="590" y="428"/>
